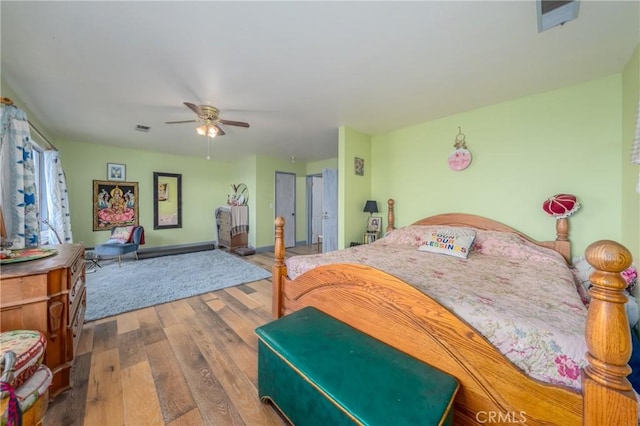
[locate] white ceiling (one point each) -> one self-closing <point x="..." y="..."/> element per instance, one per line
<point x="296" y="71"/>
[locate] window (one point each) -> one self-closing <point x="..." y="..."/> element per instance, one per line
<point x="41" y="192"/>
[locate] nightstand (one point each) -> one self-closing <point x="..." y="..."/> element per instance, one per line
<point x="369" y="237"/>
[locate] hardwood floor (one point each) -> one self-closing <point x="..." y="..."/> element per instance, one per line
<point x="189" y="362"/>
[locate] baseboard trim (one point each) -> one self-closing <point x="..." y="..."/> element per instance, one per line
<point x="272" y="248"/>
<point x="147" y="253"/>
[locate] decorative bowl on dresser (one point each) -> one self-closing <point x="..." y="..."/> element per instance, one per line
<point x="48" y="295"/>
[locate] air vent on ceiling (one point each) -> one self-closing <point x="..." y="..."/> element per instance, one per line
<point x="552" y="13"/>
<point x="142" y="128"/>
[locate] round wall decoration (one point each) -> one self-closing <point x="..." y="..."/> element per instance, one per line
<point x="460" y="158"/>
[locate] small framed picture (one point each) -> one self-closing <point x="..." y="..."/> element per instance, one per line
<point x="163" y="191"/>
<point x="358" y="164"/>
<point x="116" y="171"/>
<point x="374" y="224"/>
<point x="369" y="238"/>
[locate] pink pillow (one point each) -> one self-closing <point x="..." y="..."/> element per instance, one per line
<point x="513" y="246"/>
<point x="121" y="233"/>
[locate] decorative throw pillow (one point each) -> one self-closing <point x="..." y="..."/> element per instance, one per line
<point x="451" y="241"/>
<point x="121" y="233"/>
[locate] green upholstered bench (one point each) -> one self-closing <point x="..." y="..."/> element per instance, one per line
<point x="319" y="371"/>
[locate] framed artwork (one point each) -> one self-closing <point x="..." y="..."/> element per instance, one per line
<point x="369" y="237"/>
<point x="358" y="164"/>
<point x="116" y="172"/>
<point x="163" y="191"/>
<point x="374" y="224"/>
<point x="167" y="200"/>
<point x="114" y="204"/>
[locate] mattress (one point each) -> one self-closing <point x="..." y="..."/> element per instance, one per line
<point x="521" y="297"/>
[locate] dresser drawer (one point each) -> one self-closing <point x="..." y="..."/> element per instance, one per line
<point x="225" y="229"/>
<point x="76" y="290"/>
<point x="76" y="270"/>
<point x="224" y="219"/>
<point x="75" y="325"/>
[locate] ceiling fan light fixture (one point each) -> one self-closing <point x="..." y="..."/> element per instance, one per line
<point x="207" y="130"/>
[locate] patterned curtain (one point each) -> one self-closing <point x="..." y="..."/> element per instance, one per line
<point x="17" y="186"/>
<point x="59" y="220"/>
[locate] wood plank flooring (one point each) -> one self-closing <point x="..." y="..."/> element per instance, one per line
<point x="189" y="362"/>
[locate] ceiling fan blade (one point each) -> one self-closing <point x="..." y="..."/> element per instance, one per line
<point x="195" y="108"/>
<point x="220" y="131"/>
<point x="183" y="121"/>
<point x="234" y="123"/>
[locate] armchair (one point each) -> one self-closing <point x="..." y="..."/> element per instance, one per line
<point x="118" y="247"/>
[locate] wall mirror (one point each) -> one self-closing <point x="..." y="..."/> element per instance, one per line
<point x="167" y="200"/>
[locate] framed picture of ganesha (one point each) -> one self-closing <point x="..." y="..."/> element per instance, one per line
<point x="114" y="204"/>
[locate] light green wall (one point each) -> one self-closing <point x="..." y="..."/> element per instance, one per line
<point x="354" y="190"/>
<point x="630" y="198"/>
<point x="205" y="185"/>
<point x="525" y="150"/>
<point x="316" y="167"/>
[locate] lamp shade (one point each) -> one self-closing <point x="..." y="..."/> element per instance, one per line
<point x="371" y="206"/>
<point x="561" y="205"/>
<point x="207" y="130"/>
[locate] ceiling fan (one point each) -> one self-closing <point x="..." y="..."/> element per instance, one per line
<point x="211" y="121"/>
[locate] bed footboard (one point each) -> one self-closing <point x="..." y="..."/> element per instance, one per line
<point x="394" y="312"/>
<point x="608" y="395"/>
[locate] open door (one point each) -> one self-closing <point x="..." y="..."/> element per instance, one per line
<point x="329" y="210"/>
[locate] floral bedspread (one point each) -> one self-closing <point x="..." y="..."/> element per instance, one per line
<point x="521" y="297"/>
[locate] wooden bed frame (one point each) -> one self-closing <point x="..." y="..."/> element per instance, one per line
<point x="493" y="390"/>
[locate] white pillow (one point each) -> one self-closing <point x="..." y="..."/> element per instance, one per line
<point x="452" y="241"/>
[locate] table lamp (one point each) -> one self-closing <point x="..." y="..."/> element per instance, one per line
<point x="370" y="207"/>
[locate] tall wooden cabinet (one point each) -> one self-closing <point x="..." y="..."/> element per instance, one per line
<point x="229" y="237"/>
<point x="48" y="295"/>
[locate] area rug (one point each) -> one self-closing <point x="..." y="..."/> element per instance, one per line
<point x="114" y="289"/>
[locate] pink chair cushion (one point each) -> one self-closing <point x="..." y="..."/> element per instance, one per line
<point x="121" y="234"/>
<point x="34" y="388"/>
<point x="29" y="347"/>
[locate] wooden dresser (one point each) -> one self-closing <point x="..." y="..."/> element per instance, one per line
<point x="223" y="219"/>
<point x="48" y="295"/>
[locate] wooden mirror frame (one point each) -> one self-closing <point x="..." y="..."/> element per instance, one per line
<point x="167" y="204"/>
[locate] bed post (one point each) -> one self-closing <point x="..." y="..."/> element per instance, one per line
<point x="391" y="219"/>
<point x="608" y="395"/>
<point x="279" y="270"/>
<point x="562" y="244"/>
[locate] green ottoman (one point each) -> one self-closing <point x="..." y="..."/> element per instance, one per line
<point x="320" y="371"/>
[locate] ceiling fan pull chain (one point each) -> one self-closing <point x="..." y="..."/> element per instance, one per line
<point x="208" y="147"/>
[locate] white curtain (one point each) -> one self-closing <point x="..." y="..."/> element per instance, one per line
<point x="17" y="185"/>
<point x="635" y="147"/>
<point x="59" y="219"/>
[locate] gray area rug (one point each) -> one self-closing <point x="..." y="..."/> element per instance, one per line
<point x="137" y="284"/>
